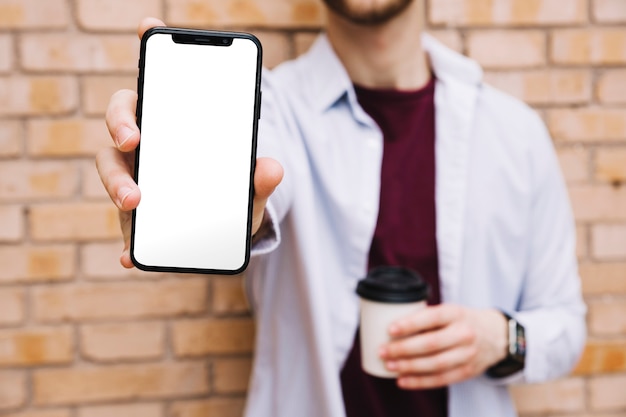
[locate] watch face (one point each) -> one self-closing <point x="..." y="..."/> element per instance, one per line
<point x="520" y="341"/>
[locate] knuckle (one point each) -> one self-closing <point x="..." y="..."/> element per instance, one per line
<point x="466" y="371"/>
<point x="472" y="352"/>
<point x="432" y="343"/>
<point x="405" y="366"/>
<point x="467" y="335"/>
<point x="439" y="362"/>
<point x="398" y="349"/>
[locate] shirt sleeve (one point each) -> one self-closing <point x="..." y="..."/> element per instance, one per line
<point x="272" y="142"/>
<point x="551" y="307"/>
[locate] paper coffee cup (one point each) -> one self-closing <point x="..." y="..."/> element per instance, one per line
<point x="387" y="294"/>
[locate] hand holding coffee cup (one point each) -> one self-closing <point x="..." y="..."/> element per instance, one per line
<point x="387" y="293"/>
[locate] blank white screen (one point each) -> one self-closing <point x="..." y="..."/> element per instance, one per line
<point x="195" y="154"/>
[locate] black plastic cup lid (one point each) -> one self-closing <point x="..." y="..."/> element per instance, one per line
<point x="393" y="284"/>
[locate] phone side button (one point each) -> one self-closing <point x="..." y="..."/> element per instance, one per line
<point x="260" y="105"/>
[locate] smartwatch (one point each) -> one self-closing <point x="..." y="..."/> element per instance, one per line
<point x="516" y="352"/>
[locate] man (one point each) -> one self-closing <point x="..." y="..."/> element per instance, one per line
<point x="394" y="152"/>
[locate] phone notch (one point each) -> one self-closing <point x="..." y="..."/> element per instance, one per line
<point x="195" y="39"/>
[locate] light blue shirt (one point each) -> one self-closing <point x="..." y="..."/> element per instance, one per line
<point x="505" y="231"/>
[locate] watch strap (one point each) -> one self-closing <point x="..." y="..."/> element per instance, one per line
<point x="516" y="351"/>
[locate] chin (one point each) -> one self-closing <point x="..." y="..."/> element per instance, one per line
<point x="368" y="12"/>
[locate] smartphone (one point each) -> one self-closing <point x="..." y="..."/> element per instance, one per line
<point x="198" y="108"/>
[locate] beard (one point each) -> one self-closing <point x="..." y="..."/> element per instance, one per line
<point x="375" y="14"/>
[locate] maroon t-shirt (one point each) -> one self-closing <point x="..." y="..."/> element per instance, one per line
<point x="405" y="236"/>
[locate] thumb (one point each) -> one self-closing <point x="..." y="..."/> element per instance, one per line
<point x="267" y="175"/>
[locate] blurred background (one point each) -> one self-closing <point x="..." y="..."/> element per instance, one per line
<point x="81" y="337"/>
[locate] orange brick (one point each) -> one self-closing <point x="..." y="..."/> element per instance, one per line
<point x="507" y="12"/>
<point x="566" y="395"/>
<point x="11" y="223"/>
<point x="228" y="295"/>
<point x="610" y="165"/>
<point x="259" y="13"/>
<point x="91" y="185"/>
<point x="67" y="137"/>
<point x="608" y="241"/>
<point x="74" y="221"/>
<point x="39" y="95"/>
<point x="41" y="413"/>
<point x="79" y="53"/>
<point x="115" y="15"/>
<point x="589" y="46"/>
<point x="587" y="124"/>
<point x="12" y="306"/>
<point x="124" y="300"/>
<point x="507" y="48"/>
<point x="598" y="202"/>
<point x="545" y="87"/>
<point x="450" y="38"/>
<point x="231" y="375"/>
<point x="27" y="181"/>
<point x="37" y="263"/>
<point x="574" y="164"/>
<point x="581" y="242"/>
<point x="303" y="41"/>
<point x="123" y="410"/>
<point x="607" y="317"/>
<point x="611" y="87"/>
<point x="33" y="14"/>
<point x="609" y="11"/>
<point x="602" y="356"/>
<point x="100" y="262"/>
<point x="211" y="336"/>
<point x="214" y="407"/>
<point x="122" y="341"/>
<point x="603" y="278"/>
<point x="12" y="389"/>
<point x="124" y="382"/>
<point x="98" y="89"/>
<point x="607" y="392"/>
<point x="6" y="53"/>
<point x="36" y="346"/>
<point x="11" y="133"/>
<point x="276" y="47"/>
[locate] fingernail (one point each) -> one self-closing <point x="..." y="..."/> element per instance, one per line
<point x="123" y="134"/>
<point x="122" y="195"/>
<point x="383" y="352"/>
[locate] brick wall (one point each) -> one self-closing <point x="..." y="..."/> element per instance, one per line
<point x="81" y="337"/>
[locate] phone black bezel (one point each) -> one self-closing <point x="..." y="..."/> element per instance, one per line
<point x="209" y="37"/>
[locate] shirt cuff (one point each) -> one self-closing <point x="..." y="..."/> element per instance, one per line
<point x="270" y="234"/>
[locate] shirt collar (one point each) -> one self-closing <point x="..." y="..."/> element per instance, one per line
<point x="329" y="80"/>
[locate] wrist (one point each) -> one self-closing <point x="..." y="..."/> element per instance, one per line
<point x="515" y="352"/>
<point x="500" y="337"/>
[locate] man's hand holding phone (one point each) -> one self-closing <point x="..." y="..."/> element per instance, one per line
<point x="116" y="165"/>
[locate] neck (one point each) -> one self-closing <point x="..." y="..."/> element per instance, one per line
<point x="388" y="55"/>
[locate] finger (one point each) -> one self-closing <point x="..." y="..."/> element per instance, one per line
<point x="121" y="120"/>
<point x="268" y="174"/>
<point x="426" y="319"/>
<point x="125" y="224"/>
<point x="437" y="363"/>
<point x="430" y="342"/>
<point x="115" y="174"/>
<point x="436" y="380"/>
<point x="148" y="23"/>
